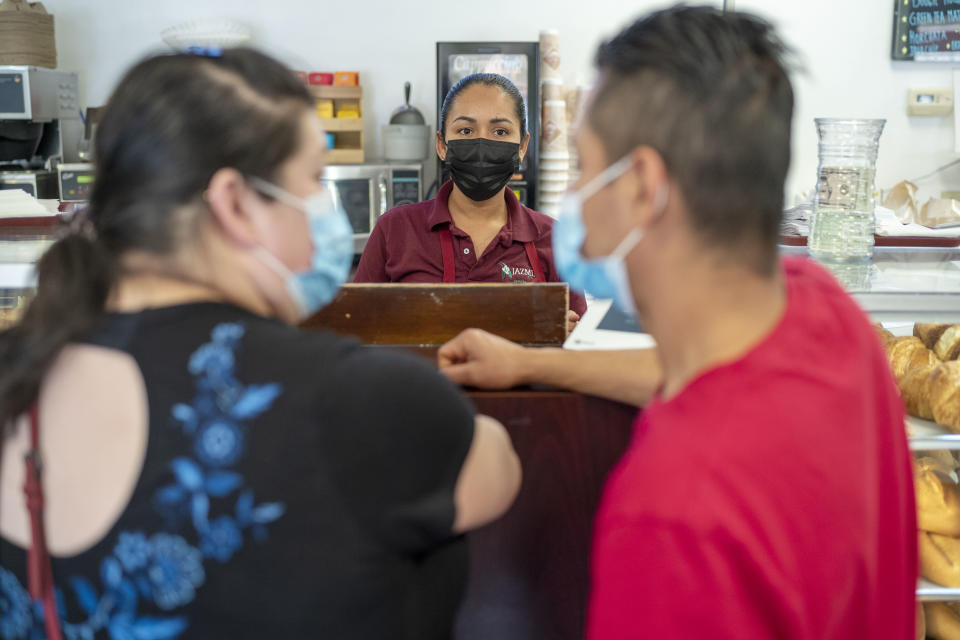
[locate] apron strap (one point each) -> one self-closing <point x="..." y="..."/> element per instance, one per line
<point x="446" y="249"/>
<point x="534" y="261"/>
<point x="39" y="569"/>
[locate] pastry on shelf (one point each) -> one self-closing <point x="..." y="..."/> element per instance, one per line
<point x="938" y="498"/>
<point x="940" y="559"/>
<point x="944" y="387"/>
<point x="947" y="346"/>
<point x="915" y="391"/>
<point x="907" y="353"/>
<point x="942" y="620"/>
<point x="930" y="333"/>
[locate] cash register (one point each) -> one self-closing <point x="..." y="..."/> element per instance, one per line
<point x="40" y="127"/>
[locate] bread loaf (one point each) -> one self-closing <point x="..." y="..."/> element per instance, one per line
<point x="942" y="620"/>
<point x="940" y="559"/>
<point x="938" y="502"/>
<point x="907" y="353"/>
<point x="944" y="388"/>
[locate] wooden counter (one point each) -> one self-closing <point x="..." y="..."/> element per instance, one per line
<point x="529" y="574"/>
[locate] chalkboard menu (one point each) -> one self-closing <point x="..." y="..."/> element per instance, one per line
<point x="926" y="30"/>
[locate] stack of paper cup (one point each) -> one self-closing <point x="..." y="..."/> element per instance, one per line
<point x="573" y="99"/>
<point x="550" y="54"/>
<point x="554" y="154"/>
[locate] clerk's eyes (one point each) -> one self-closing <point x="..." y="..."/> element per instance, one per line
<point x="464" y="131"/>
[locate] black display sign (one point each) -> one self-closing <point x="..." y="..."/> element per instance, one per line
<point x="926" y="30"/>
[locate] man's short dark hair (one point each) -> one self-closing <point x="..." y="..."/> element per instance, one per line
<point x="710" y="92"/>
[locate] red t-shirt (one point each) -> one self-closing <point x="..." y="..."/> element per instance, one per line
<point x="404" y="246"/>
<point x="771" y="498"/>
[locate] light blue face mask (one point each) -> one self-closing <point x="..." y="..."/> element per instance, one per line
<point x="604" y="277"/>
<point x="332" y="248"/>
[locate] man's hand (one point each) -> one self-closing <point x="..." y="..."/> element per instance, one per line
<point x="572" y="319"/>
<point x="479" y="359"/>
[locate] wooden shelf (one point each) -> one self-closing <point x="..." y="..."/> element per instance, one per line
<point x="333" y="125"/>
<point x="329" y="92"/>
<point x="344" y="156"/>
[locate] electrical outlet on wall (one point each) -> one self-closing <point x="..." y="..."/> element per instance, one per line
<point x="930" y="102"/>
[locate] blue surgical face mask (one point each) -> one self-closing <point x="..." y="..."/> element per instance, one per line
<point x="332" y="248"/>
<point x="604" y="277"/>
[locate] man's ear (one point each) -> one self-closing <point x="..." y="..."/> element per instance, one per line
<point x="230" y="200"/>
<point x="646" y="184"/>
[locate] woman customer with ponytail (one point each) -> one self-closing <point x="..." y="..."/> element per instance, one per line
<point x="208" y="470"/>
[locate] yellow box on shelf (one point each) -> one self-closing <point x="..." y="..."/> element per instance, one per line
<point x="324" y="108"/>
<point x="346" y="129"/>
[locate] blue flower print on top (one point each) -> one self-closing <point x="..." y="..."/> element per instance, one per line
<point x="219" y="443"/>
<point x="174" y="572"/>
<point x="132" y="550"/>
<point x="164" y="570"/>
<point x="16" y="611"/>
<point x="222" y="539"/>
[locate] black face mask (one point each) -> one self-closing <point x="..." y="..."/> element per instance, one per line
<point x="481" y="167"/>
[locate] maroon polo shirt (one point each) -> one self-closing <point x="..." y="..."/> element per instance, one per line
<point x="405" y="246"/>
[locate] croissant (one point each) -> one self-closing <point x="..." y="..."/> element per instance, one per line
<point x="915" y="391"/>
<point x="948" y="344"/>
<point x="906" y="353"/>
<point x="944" y="386"/>
<point x="930" y="333"/>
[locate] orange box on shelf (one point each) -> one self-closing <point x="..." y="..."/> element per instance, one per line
<point x="346" y="79"/>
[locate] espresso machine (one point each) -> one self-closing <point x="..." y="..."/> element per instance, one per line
<point x="40" y="127"/>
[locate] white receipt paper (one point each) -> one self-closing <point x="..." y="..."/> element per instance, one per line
<point x="588" y="335"/>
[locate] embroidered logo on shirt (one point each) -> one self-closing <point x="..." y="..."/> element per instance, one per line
<point x="518" y="275"/>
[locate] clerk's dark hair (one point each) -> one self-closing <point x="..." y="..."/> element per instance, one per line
<point x="490" y="80"/>
<point x="709" y="90"/>
<point x="171" y="123"/>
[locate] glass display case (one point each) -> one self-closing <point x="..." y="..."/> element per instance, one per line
<point x="899" y="287"/>
<point x="20" y="248"/>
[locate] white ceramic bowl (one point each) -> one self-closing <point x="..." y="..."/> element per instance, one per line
<point x="213" y="32"/>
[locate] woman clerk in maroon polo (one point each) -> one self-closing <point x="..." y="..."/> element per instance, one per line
<point x="475" y="230"/>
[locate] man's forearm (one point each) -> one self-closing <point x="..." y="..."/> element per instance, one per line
<point x="630" y="376"/>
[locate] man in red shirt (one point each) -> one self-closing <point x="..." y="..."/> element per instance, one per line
<point x="767" y="491"/>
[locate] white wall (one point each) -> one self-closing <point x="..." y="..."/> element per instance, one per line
<point x="844" y="46"/>
<point x="387" y="41"/>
